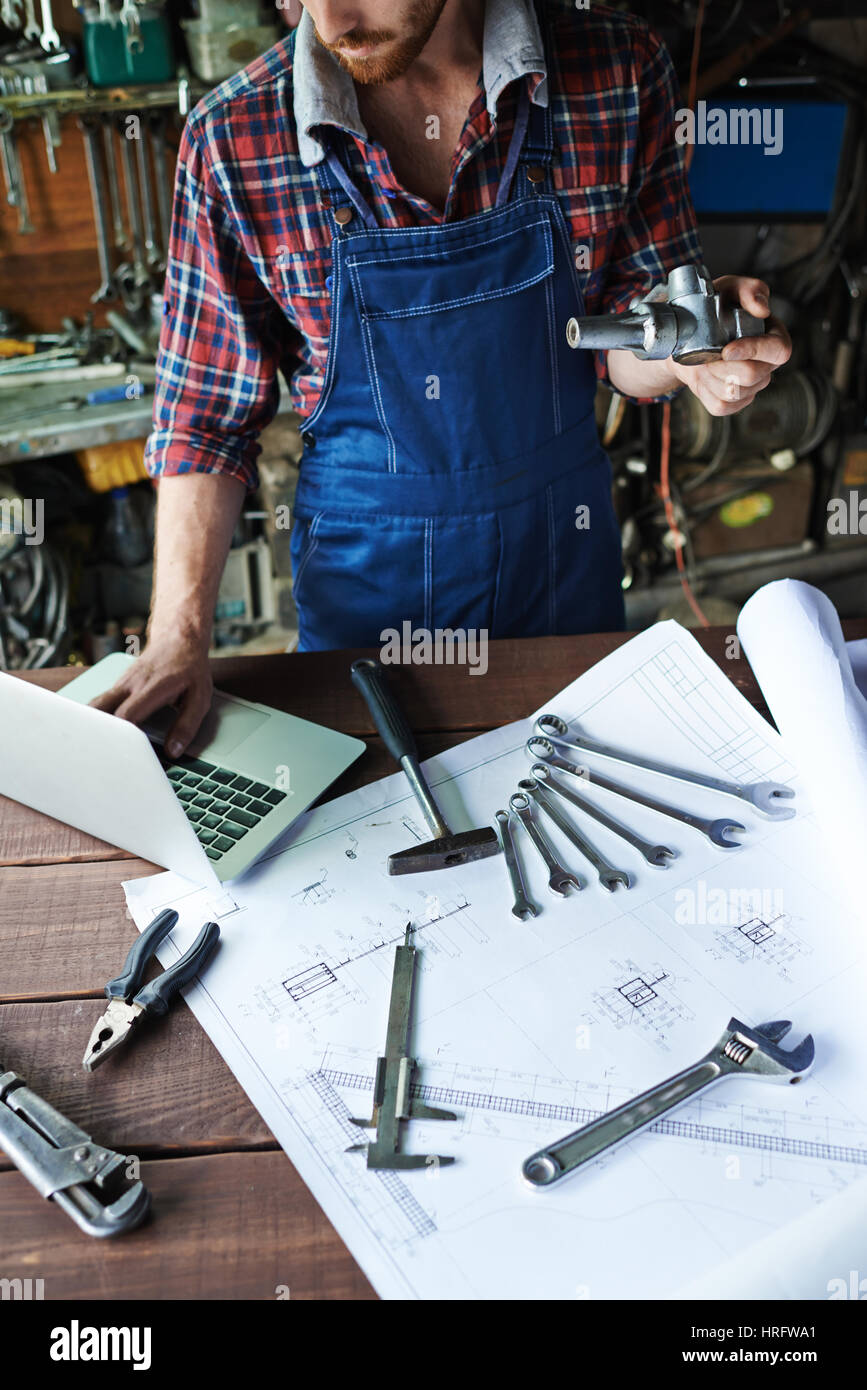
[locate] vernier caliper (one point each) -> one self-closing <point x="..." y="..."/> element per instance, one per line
<point x="392" y="1092"/>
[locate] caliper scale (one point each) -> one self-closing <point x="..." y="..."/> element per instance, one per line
<point x="393" y="1101"/>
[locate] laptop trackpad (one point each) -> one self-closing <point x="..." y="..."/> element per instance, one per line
<point x="226" y="724"/>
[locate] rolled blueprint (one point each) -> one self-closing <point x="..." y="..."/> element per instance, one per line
<point x="792" y="636"/>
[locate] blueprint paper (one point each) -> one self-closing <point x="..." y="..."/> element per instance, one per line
<point x="528" y="1030"/>
<point x="822" y="1255"/>
<point x="791" y="634"/>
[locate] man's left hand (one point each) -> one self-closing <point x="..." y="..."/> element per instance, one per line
<point x="730" y="384"/>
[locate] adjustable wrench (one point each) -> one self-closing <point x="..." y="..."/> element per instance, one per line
<point x="523" y="908"/>
<point x="560" y="880"/>
<point x="609" y="877"/>
<point x="715" y="830"/>
<point x="740" y="1050"/>
<point x="762" y="795"/>
<point x="656" y="855"/>
<point x="107" y="289"/>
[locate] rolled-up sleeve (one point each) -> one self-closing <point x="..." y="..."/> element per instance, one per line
<point x="659" y="229"/>
<point x="221" y="342"/>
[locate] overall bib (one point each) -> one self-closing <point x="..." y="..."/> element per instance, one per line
<point x="454" y="449"/>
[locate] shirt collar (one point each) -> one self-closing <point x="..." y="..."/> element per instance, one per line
<point x="323" y="94"/>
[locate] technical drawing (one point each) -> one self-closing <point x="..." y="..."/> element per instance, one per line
<point x="309" y="981"/>
<point x="316" y="893"/>
<point x="641" y="998"/>
<point x="769" y="940"/>
<point x="351" y="850"/>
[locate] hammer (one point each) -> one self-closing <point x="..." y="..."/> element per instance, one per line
<point x="740" y="1051"/>
<point x="447" y="849"/>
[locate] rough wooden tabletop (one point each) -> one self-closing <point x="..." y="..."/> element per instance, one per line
<point x="231" y="1218"/>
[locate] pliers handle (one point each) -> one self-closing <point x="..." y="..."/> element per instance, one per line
<point x="130" y="1000"/>
<point x="155" y="997"/>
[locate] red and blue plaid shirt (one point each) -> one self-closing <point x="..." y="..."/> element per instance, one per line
<point x="248" y="280"/>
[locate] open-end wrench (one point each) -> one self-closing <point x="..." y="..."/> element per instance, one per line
<point x="717" y="831"/>
<point x="8" y="158"/>
<point x="137" y="281"/>
<point x="153" y="255"/>
<point x="764" y="796"/>
<point x="48" y="37"/>
<point x="110" y="151"/>
<point x="107" y="290"/>
<point x="523" y="908"/>
<point x="656" y="855"/>
<point x="609" y="877"/>
<point x="8" y="14"/>
<point x="560" y="880"/>
<point x="741" y="1051"/>
<point x="16" y="191"/>
<point x="32" y="29"/>
<point x="157" y="126"/>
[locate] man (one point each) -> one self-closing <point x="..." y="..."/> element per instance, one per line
<point x="401" y="205"/>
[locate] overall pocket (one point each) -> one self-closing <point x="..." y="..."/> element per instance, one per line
<point x="458" y="340"/>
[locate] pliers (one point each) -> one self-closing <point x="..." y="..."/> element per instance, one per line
<point x="129" y="1002"/>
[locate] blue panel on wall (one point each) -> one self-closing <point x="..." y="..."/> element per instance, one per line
<point x="740" y="178"/>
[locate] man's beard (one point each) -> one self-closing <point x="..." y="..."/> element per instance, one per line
<point x="373" y="71"/>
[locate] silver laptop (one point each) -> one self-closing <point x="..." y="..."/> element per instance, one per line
<point x="208" y="815"/>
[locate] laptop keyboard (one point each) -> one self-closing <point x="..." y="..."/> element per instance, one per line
<point x="222" y="806"/>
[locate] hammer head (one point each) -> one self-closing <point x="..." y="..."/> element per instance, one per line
<point x="755" y="1051"/>
<point x="445" y="852"/>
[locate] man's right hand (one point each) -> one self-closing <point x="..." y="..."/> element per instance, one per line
<point x="171" y="671"/>
<point x="196" y="515"/>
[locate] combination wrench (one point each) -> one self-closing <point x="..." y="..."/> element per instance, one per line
<point x="560" y="880"/>
<point x="764" y="796"/>
<point x="656" y="855"/>
<point x="49" y="37"/>
<point x="16" y="189"/>
<point x="740" y="1051"/>
<point x="609" y="876"/>
<point x="717" y="831"/>
<point x="107" y="290"/>
<point x="108" y="144"/>
<point x="522" y="908"/>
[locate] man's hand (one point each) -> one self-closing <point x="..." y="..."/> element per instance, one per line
<point x="730" y="384"/>
<point x="171" y="671"/>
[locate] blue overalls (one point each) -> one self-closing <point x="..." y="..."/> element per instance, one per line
<point x="454" y="449"/>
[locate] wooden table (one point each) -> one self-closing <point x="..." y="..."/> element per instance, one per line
<point x="231" y="1218"/>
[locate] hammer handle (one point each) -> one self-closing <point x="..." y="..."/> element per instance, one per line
<point x="368" y="677"/>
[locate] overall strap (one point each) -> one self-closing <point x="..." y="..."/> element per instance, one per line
<point x="537" y="156"/>
<point x="516" y="145"/>
<point x="336" y="181"/>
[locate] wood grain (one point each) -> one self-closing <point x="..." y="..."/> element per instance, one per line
<point x="231" y="1217"/>
<point x="166" y="1091"/>
<point x="236" y="1226"/>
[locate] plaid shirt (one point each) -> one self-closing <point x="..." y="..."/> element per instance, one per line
<point x="248" y="281"/>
